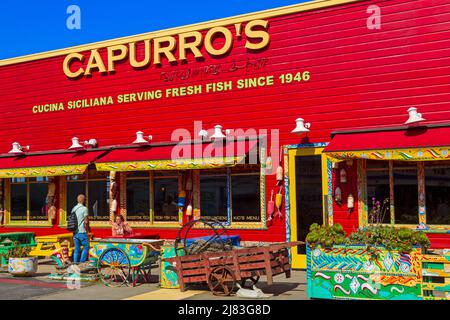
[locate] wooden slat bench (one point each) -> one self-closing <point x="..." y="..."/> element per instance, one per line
<point x="436" y="276"/>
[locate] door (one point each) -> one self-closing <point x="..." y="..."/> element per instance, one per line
<point x="307" y="193"/>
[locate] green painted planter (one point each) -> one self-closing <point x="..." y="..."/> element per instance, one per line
<point x="352" y="272"/>
<point x="9" y="240"/>
<point x="168" y="277"/>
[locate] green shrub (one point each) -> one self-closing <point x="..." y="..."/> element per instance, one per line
<point x="373" y="236"/>
<point x="18" y="251"/>
<point x="326" y="236"/>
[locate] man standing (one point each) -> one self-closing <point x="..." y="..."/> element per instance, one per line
<point x="80" y="236"/>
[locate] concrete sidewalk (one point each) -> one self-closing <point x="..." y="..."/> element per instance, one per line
<point x="41" y="288"/>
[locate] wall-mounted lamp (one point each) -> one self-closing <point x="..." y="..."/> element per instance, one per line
<point x="140" y="138"/>
<point x="17" y="148"/>
<point x="301" y="126"/>
<point x="91" y="143"/>
<point x="414" y="116"/>
<point x="218" y="134"/>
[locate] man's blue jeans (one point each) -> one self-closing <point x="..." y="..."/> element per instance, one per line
<point x="80" y="239"/>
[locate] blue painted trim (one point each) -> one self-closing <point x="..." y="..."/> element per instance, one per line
<point x="228" y="197"/>
<point x="330" y="189"/>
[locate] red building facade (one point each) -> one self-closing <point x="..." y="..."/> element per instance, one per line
<point x="340" y="65"/>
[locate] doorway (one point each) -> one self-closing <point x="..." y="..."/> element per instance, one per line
<point x="307" y="195"/>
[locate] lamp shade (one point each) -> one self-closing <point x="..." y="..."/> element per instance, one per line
<point x="75" y="144"/>
<point x="140" y="138"/>
<point x="301" y="126"/>
<point x="414" y="116"/>
<point x="218" y="134"/>
<point x="16" y="148"/>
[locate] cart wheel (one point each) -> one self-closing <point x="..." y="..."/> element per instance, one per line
<point x="253" y="279"/>
<point x="221" y="281"/>
<point x="113" y="267"/>
<point x="213" y="241"/>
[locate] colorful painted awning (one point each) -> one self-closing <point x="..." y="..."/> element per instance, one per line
<point x="178" y="157"/>
<point x="404" y="144"/>
<point x="40" y="165"/>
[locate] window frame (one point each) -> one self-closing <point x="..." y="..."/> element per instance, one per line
<point x="421" y="193"/>
<point x="231" y="193"/>
<point x="196" y="200"/>
<point x="414" y="165"/>
<point x="150" y="223"/>
<point x="63" y="196"/>
<point x="152" y="201"/>
<point x="261" y="224"/>
<point x="126" y="178"/>
<point x="7" y="216"/>
<point x="228" y="193"/>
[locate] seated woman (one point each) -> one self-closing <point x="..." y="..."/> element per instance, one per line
<point x="120" y="227"/>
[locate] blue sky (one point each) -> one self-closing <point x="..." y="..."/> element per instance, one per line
<point x="34" y="26"/>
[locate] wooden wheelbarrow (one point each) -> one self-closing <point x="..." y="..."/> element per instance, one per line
<point x="221" y="270"/>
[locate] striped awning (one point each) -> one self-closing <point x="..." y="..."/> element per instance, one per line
<point x="404" y="144"/>
<point x="177" y="157"/>
<point x="46" y="165"/>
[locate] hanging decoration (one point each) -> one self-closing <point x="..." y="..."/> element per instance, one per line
<point x="181" y="200"/>
<point x="279" y="172"/>
<point x="270" y="208"/>
<point x="189" y="181"/>
<point x="338" y="196"/>
<point x="269" y="163"/>
<point x="113" y="191"/>
<point x="189" y="210"/>
<point x="343" y="176"/>
<point x="279" y="175"/>
<point x="279" y="203"/>
<point x="350" y="203"/>
<point x="51" y="208"/>
<point x="189" y="190"/>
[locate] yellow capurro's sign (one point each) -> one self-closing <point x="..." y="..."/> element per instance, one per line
<point x="256" y="38"/>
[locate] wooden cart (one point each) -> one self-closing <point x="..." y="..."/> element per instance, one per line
<point x="221" y="270"/>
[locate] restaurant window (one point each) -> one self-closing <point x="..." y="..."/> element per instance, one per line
<point x="405" y="193"/>
<point x="437" y="191"/>
<point x="28" y="199"/>
<point x="38" y="196"/>
<point x="165" y="199"/>
<point x="245" y="197"/>
<point x="18" y="199"/>
<point x="236" y="189"/>
<point x="95" y="186"/>
<point x="214" y="197"/>
<point x="138" y="196"/>
<point x="378" y="194"/>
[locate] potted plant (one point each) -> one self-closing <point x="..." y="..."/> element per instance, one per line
<point x="19" y="261"/>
